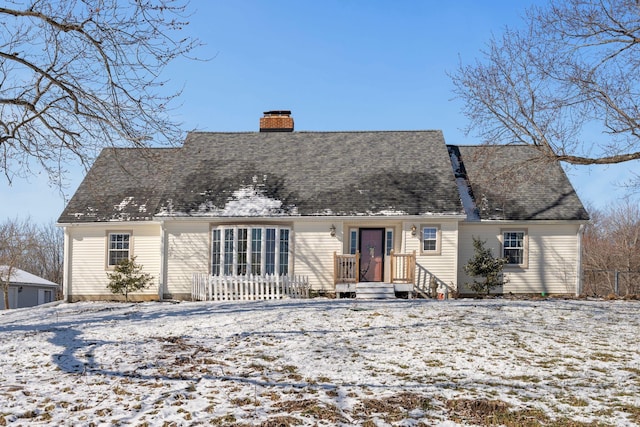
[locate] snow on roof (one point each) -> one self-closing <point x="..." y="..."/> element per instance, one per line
<point x="24" y="278"/>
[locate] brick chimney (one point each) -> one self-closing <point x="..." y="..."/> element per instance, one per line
<point x="276" y="121"/>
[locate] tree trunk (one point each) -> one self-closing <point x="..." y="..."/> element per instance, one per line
<point x="5" y="289"/>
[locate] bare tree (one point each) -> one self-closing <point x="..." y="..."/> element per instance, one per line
<point x="573" y="69"/>
<point x="45" y="257"/>
<point x="76" y="76"/>
<point x="612" y="244"/>
<point x="16" y="241"/>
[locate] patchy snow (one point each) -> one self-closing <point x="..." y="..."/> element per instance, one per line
<point x="321" y="362"/>
<point x="388" y="212"/>
<point x="123" y="204"/>
<point x="247" y="201"/>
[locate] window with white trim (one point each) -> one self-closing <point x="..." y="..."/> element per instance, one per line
<point x="353" y="241"/>
<point x="216" y="251"/>
<point x="389" y="239"/>
<point x="513" y="247"/>
<point x="284" y="251"/>
<point x="118" y="248"/>
<point x="430" y="239"/>
<point x="238" y="250"/>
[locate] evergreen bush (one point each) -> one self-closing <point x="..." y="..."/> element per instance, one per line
<point x="128" y="277"/>
<point x="483" y="264"/>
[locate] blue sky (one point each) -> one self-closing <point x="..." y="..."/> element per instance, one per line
<point x="337" y="65"/>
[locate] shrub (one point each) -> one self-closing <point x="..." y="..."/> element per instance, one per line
<point x="483" y="264"/>
<point x="128" y="277"/>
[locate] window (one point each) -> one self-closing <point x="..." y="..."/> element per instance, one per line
<point x="270" y="259"/>
<point x="216" y="253"/>
<point x="353" y="241"/>
<point x="243" y="245"/>
<point x="255" y="250"/>
<point x="430" y="239"/>
<point x="118" y="248"/>
<point x="513" y="247"/>
<point x="284" y="251"/>
<point x="228" y="251"/>
<point x="389" y="234"/>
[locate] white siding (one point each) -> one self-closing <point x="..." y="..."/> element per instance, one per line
<point x="187" y="253"/>
<point x="552" y="256"/>
<point x="313" y="248"/>
<point x="442" y="265"/>
<point x="88" y="257"/>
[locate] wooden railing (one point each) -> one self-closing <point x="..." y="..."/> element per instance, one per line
<point x="428" y="285"/>
<point x="346" y="268"/>
<point x="403" y="267"/>
<point x="249" y="287"/>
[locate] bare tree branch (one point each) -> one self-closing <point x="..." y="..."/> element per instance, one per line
<point x="567" y="84"/>
<point x="78" y="76"/>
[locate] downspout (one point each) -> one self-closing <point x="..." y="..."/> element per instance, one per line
<point x="66" y="272"/>
<point x="579" y="263"/>
<point x="163" y="262"/>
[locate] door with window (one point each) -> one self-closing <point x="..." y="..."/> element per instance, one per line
<point x="371" y="254"/>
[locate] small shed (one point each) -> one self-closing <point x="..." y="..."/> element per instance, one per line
<point x="26" y="289"/>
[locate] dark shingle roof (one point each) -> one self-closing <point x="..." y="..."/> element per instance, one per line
<point x="254" y="174"/>
<point x="322" y="173"/>
<point x="122" y="184"/>
<point x="510" y="182"/>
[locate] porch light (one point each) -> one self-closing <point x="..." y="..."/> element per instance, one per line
<point x="332" y="230"/>
<point x="413" y="230"/>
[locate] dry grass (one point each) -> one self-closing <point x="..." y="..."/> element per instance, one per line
<point x="484" y="365"/>
<point x="498" y="413"/>
<point x="312" y="408"/>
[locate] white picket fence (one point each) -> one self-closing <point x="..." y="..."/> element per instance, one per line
<point x="250" y="287"/>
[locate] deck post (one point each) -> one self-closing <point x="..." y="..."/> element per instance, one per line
<point x="335" y="268"/>
<point x="392" y="265"/>
<point x="413" y="268"/>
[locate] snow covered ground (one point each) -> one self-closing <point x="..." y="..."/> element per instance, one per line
<point x="322" y="362"/>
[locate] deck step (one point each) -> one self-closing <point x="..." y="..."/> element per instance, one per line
<point x="375" y="290"/>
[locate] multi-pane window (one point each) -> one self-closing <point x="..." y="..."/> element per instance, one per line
<point x="255" y="250"/>
<point x="353" y="242"/>
<point x="118" y="248"/>
<point x="513" y="247"/>
<point x="243" y="245"/>
<point x="429" y="239"/>
<point x="228" y="251"/>
<point x="284" y="251"/>
<point x="389" y="241"/>
<point x="270" y="252"/>
<point x="216" y="252"/>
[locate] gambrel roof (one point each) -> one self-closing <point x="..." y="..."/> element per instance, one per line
<point x="257" y="174"/>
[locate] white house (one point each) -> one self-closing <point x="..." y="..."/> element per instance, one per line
<point x="26" y="289"/>
<point x="305" y="203"/>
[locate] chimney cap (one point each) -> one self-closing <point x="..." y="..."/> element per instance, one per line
<point x="278" y="113"/>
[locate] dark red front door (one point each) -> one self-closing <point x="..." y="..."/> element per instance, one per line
<point x="372" y="252"/>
